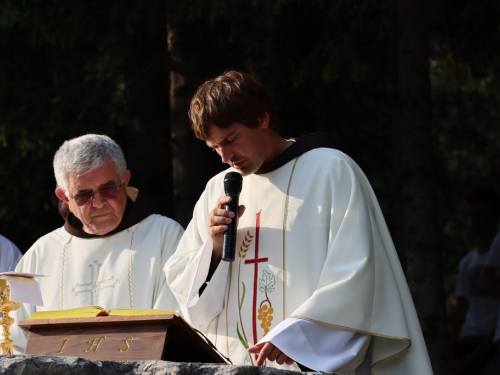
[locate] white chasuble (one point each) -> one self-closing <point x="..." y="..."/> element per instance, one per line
<point x="123" y="270"/>
<point x="313" y="246"/>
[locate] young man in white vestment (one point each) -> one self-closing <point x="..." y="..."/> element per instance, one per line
<point x="316" y="282"/>
<point x="111" y="250"/>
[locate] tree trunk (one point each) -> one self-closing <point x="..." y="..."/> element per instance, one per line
<point x="148" y="135"/>
<point x="192" y="161"/>
<point x="415" y="174"/>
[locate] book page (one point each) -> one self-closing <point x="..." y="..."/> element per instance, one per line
<point x="79" y="312"/>
<point x="132" y="311"/>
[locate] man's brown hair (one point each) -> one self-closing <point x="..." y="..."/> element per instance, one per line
<point x="224" y="100"/>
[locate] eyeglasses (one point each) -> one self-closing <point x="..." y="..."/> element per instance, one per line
<point x="107" y="192"/>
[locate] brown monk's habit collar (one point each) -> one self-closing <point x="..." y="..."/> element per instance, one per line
<point x="134" y="213"/>
<point x="301" y="145"/>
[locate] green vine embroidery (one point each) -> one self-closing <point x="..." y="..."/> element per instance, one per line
<point x="243" y="341"/>
<point x="267" y="284"/>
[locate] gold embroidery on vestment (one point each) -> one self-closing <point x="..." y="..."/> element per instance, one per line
<point x="285" y="216"/>
<point x="95" y="285"/>
<point x="227" y="306"/>
<point x="96" y="262"/>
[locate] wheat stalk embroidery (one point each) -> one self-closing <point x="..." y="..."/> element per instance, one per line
<point x="242" y="253"/>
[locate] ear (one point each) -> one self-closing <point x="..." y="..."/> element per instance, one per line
<point x="126" y="178"/>
<point x="264" y="123"/>
<point x="60" y="194"/>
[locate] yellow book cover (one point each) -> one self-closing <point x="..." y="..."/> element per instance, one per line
<point x="90" y="311"/>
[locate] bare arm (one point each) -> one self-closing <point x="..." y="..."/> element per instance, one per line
<point x="488" y="283"/>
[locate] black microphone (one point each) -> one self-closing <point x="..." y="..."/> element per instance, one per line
<point x="232" y="187"/>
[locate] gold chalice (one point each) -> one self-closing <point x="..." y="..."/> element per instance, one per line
<point x="6" y="306"/>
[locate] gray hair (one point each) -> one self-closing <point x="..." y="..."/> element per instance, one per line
<point x="84" y="154"/>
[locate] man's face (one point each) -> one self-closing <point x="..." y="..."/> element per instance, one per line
<point x="99" y="215"/>
<point x="243" y="148"/>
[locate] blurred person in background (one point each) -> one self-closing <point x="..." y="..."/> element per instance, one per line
<point x="476" y="316"/>
<point x="9" y="255"/>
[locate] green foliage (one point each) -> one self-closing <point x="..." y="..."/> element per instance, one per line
<point x="465" y="72"/>
<point x="328" y="65"/>
<point x="332" y="66"/>
<point x="61" y="70"/>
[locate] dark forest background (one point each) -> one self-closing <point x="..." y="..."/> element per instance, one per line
<point x="410" y="88"/>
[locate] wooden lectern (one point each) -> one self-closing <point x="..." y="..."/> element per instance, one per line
<point x="120" y="338"/>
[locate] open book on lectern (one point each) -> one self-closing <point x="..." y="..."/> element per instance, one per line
<point x="94" y="310"/>
<point x="118" y="335"/>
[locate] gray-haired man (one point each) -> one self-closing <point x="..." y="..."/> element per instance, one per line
<point x="111" y="249"/>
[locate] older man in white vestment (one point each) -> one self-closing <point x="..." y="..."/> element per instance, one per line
<point x="111" y="250"/>
<point x="316" y="281"/>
